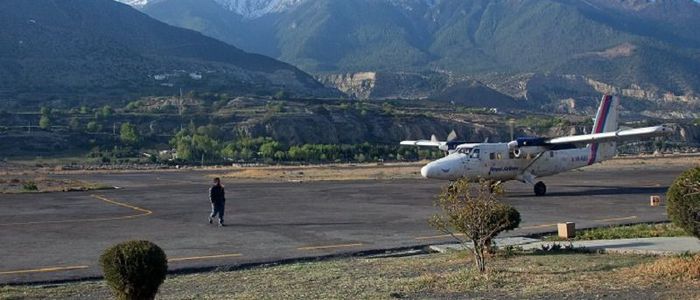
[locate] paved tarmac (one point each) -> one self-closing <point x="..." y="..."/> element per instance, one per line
<point x="59" y="236"/>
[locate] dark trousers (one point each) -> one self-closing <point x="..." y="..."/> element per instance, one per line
<point x="218" y="209"/>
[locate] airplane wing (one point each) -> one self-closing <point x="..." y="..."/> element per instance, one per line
<point x="612" y="136"/>
<point x="425" y="143"/>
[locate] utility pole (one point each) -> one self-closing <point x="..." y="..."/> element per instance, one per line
<point x="202" y="159"/>
<point x="511" y="122"/>
<point x="180" y="103"/>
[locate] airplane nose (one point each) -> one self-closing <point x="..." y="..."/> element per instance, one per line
<point x="425" y="171"/>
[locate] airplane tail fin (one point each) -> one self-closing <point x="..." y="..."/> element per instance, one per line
<point x="606" y="120"/>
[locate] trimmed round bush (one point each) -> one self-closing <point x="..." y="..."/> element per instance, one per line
<point x="512" y="217"/>
<point x="683" y="199"/>
<point x="134" y="269"/>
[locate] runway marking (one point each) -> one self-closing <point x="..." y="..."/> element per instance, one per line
<point x="44" y="270"/>
<point x="143" y="212"/>
<point x="539" y="226"/>
<point x="179" y="259"/>
<point x="175" y="180"/>
<point x="616" y="219"/>
<point x="329" y="247"/>
<point x="435" y="237"/>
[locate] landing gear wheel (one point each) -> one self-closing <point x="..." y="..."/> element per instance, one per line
<point x="540" y="189"/>
<point x="493" y="185"/>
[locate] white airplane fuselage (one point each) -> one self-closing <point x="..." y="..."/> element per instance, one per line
<point x="497" y="162"/>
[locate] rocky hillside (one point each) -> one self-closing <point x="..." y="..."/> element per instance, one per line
<point x="58" y="51"/>
<point x="427" y="85"/>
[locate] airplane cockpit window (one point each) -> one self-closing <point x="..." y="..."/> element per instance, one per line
<point x="464" y="150"/>
<point x="475" y="153"/>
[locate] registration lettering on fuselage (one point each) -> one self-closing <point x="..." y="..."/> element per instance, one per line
<point x="579" y="158"/>
<point x="504" y="169"/>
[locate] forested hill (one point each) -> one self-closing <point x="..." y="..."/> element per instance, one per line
<point x="67" y="50"/>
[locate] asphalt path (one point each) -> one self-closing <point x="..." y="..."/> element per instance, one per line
<point x="59" y="236"/>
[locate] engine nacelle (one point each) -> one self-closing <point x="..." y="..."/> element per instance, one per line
<point x="528" y="151"/>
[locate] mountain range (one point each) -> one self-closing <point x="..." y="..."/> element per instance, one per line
<point x="646" y="45"/>
<point x="82" y="50"/>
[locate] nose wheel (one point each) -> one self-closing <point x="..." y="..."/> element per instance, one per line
<point x="540" y="189"/>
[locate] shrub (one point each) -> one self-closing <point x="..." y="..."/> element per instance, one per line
<point x="30" y="186"/>
<point x="684" y="201"/>
<point x="134" y="269"/>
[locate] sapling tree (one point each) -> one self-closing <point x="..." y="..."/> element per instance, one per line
<point x="473" y="215"/>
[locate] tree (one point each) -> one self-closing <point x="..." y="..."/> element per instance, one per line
<point x="191" y="147"/>
<point x="474" y="211"/>
<point x="74" y="124"/>
<point x="268" y="149"/>
<point x="129" y="134"/>
<point x="684" y="201"/>
<point x="106" y="111"/>
<point x="280" y="95"/>
<point x="92" y="126"/>
<point x="45" y="111"/>
<point x="45" y="122"/>
<point x="133" y="105"/>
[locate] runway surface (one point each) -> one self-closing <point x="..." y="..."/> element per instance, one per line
<point x="59" y="236"/>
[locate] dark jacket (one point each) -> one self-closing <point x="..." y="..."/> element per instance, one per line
<point x="217" y="194"/>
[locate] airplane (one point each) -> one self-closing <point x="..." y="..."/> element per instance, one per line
<point x="528" y="158"/>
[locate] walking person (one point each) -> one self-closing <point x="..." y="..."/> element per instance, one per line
<point x="218" y="200"/>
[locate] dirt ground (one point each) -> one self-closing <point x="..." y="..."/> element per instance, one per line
<point x="433" y="276"/>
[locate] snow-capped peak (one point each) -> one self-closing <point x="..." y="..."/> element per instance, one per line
<point x="257" y="8"/>
<point x="135" y="3"/>
<point x="247" y="8"/>
<point x="251" y="9"/>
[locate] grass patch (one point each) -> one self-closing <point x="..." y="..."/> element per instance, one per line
<point x="682" y="267"/>
<point x="448" y="275"/>
<point x="42" y="184"/>
<point x="626" y="232"/>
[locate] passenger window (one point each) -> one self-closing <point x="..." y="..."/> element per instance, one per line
<point x="492" y="156"/>
<point x="475" y="153"/>
<point x="499" y="155"/>
<point x="511" y="155"/>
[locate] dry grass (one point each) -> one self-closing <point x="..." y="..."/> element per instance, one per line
<point x="427" y="276"/>
<point x="42" y="184"/>
<point x="686" y="268"/>
<point x="666" y="160"/>
<point x="331" y="172"/>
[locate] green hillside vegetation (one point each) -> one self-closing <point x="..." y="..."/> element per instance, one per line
<point x="100" y="50"/>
